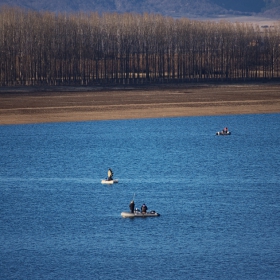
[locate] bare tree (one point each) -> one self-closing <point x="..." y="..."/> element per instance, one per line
<point x="85" y="48"/>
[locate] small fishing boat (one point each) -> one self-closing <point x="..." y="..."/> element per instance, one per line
<point x="138" y="214"/>
<point x="223" y="133"/>
<point x="109" y="182"/>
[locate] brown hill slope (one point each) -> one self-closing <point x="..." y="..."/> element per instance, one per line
<point x="175" y="8"/>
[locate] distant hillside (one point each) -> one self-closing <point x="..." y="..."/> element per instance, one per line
<point x="165" y="7"/>
<point x="272" y="9"/>
<point x="272" y="13"/>
<point x="249" y="6"/>
<point x="175" y="8"/>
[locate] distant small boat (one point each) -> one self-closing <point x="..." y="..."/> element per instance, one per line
<point x="109" y="182"/>
<point x="223" y="133"/>
<point x="138" y="214"/>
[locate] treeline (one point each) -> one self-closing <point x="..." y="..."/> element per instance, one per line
<point x="84" y="49"/>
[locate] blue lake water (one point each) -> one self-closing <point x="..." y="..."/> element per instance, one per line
<point x="218" y="196"/>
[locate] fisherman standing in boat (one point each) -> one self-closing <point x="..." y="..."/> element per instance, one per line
<point x="131" y="206"/>
<point x="110" y="174"/>
<point x="144" y="208"/>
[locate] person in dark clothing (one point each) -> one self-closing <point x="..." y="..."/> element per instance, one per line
<point x="225" y="130"/>
<point x="144" y="208"/>
<point x="131" y="206"/>
<point x="110" y="174"/>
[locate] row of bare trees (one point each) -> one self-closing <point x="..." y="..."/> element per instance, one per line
<point x="83" y="49"/>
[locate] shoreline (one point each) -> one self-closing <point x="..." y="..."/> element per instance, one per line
<point x="22" y="105"/>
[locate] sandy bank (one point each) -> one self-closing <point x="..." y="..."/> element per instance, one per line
<point x="40" y="105"/>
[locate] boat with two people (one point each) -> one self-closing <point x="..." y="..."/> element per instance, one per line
<point x="225" y="131"/>
<point x="137" y="213"/>
<point x="109" y="180"/>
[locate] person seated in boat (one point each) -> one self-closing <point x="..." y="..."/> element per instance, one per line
<point x="225" y="130"/>
<point x="131" y="206"/>
<point x="110" y="174"/>
<point x="144" y="208"/>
